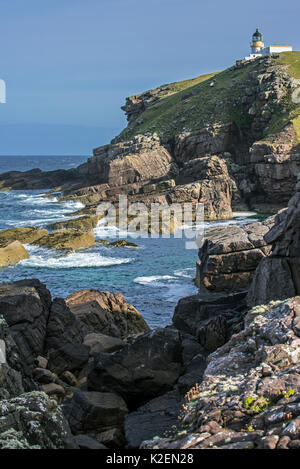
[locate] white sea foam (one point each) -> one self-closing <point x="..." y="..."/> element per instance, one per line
<point x="102" y="231"/>
<point x="154" y="280"/>
<point x="186" y="273"/>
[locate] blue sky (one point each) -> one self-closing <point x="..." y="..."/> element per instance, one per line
<point x="69" y="64"/>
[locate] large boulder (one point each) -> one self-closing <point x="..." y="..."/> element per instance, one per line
<point x="12" y="254"/>
<point x="149" y="366"/>
<point x="229" y="256"/>
<point x="106" y="313"/>
<point x="278" y="276"/>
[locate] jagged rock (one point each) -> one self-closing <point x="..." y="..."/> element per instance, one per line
<point x="229" y="256"/>
<point x="14" y="374"/>
<point x="69" y="378"/>
<point x="63" y="327"/>
<point x="12" y="254"/>
<point x="96" y="412"/>
<point x="25" y="306"/>
<point x="68" y="239"/>
<point x="149" y="366"/>
<point x="33" y="421"/>
<point x="106" y="313"/>
<point x="251" y="386"/>
<point x="276" y="165"/>
<point x="23" y="235"/>
<point x="152" y="419"/>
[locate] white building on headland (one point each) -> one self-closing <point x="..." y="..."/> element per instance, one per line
<point x="258" y="48"/>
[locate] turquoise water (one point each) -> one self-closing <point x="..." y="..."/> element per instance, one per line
<point x="153" y="277"/>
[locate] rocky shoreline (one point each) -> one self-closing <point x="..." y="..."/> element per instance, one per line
<point x="222" y="375"/>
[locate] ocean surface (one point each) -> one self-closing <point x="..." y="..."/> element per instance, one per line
<point x="152" y="277"/>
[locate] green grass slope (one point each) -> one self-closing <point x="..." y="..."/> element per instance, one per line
<point x="210" y="99"/>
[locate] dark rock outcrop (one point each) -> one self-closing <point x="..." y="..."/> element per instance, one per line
<point x="25" y="305"/>
<point x="278" y="275"/>
<point x="149" y="366"/>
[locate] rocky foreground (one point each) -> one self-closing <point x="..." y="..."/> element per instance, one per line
<point x="86" y="372"/>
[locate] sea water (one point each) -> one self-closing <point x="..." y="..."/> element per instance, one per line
<point x="152" y="277"/>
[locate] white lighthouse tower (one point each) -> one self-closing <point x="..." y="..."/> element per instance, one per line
<point x="257" y="44"/>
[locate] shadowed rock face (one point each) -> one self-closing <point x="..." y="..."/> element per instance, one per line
<point x="149" y="366"/>
<point x="278" y="276"/>
<point x="25" y="306"/>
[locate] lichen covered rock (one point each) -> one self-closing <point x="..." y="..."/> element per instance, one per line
<point x="33" y="421"/>
<point x="250" y="393"/>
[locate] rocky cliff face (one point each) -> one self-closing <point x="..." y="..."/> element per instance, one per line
<point x="228" y="140"/>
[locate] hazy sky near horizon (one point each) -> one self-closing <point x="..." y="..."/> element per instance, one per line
<point x="69" y="64"/>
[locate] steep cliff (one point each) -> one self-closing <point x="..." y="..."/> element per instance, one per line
<point x="229" y="140"/>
